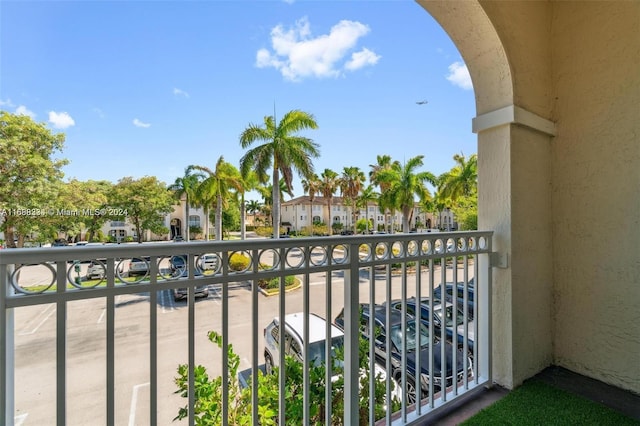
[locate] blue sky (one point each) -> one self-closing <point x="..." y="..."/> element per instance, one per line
<point x="148" y="88"/>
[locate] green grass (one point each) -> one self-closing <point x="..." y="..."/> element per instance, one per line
<point x="538" y="403"/>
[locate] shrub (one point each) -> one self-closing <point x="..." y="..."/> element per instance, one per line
<point x="208" y="391"/>
<point x="238" y="262"/>
<point x="274" y="283"/>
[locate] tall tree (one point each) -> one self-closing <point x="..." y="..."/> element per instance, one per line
<point x="462" y="179"/>
<point x="90" y="203"/>
<point x="383" y="164"/>
<point x="405" y="184"/>
<point x="367" y="195"/>
<point x="282" y="150"/>
<point x="29" y="173"/>
<point x="329" y="185"/>
<point x="219" y="184"/>
<point x="267" y="196"/>
<point x="146" y="202"/>
<point x="459" y="187"/>
<point x="351" y="183"/>
<point x="250" y="182"/>
<point x="186" y="186"/>
<point x="253" y="208"/>
<point x="312" y="187"/>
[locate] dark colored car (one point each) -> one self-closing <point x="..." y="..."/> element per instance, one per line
<point x="459" y="291"/>
<point x="417" y="341"/>
<point x="442" y="315"/>
<point x="59" y="242"/>
<point x="179" y="269"/>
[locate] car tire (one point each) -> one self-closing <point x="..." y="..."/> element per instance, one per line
<point x="411" y="388"/>
<point x="268" y="363"/>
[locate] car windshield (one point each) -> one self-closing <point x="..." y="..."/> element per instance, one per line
<point x="412" y="332"/>
<point x="449" y="316"/>
<point x="317" y="350"/>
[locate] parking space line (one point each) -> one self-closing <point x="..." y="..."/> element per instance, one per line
<point x="51" y="310"/>
<point x="104" y="310"/>
<point x="166" y="300"/>
<point x="218" y="296"/>
<point x="134" y="403"/>
<point x="19" y="420"/>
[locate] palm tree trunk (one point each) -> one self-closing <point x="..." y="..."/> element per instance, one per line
<point x="275" y="195"/>
<point x="206" y="222"/>
<point x="219" y="217"/>
<point x="186" y="208"/>
<point x="330" y="218"/>
<point x="243" y="218"/>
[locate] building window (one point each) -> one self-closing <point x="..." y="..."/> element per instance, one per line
<point x="116" y="223"/>
<point x="194" y="220"/>
<point x="304" y="207"/>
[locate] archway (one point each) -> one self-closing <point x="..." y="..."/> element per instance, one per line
<point x="510" y="140"/>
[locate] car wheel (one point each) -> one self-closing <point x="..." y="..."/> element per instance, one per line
<point x="411" y="388"/>
<point x="268" y="363"/>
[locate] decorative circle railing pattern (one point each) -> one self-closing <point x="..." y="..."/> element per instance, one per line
<point x="40" y="275"/>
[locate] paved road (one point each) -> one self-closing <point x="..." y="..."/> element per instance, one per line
<point x="35" y="353"/>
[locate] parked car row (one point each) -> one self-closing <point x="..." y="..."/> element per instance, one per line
<point x="405" y="334"/>
<point x="459" y="290"/>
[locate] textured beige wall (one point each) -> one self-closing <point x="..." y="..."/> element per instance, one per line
<point x="566" y="208"/>
<point x="514" y="171"/>
<point x="596" y="189"/>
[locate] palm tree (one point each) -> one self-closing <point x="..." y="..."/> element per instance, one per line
<point x="462" y="179"/>
<point x="383" y="164"/>
<point x="249" y="182"/>
<point x="267" y="196"/>
<point x="312" y="187"/>
<point x="328" y="186"/>
<point x="405" y="184"/>
<point x="351" y="183"/>
<point x="282" y="150"/>
<point x="253" y="208"/>
<point x="368" y="195"/>
<point x="186" y="186"/>
<point x="219" y="184"/>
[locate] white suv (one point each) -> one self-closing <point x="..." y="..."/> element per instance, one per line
<point x="294" y="338"/>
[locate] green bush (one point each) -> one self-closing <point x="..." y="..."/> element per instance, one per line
<point x="208" y="391"/>
<point x="239" y="262"/>
<point x="274" y="283"/>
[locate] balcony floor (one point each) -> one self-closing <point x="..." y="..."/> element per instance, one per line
<point x="618" y="399"/>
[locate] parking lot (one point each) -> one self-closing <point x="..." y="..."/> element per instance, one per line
<point x="35" y="357"/>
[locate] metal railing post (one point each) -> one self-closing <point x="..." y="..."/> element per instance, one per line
<point x="352" y="338"/>
<point x="7" y="351"/>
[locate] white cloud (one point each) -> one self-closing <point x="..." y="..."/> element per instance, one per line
<point x="23" y="110"/>
<point x="139" y="123"/>
<point x="99" y="112"/>
<point x="179" y="92"/>
<point x="362" y="59"/>
<point x="6" y="103"/>
<point x="459" y="76"/>
<point x="61" y="120"/>
<point x="296" y="54"/>
<point x="289" y="1"/>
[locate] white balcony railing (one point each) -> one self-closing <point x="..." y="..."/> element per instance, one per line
<point x="90" y="343"/>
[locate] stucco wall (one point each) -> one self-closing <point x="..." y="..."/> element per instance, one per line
<point x="596" y="189"/>
<point x="565" y="209"/>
